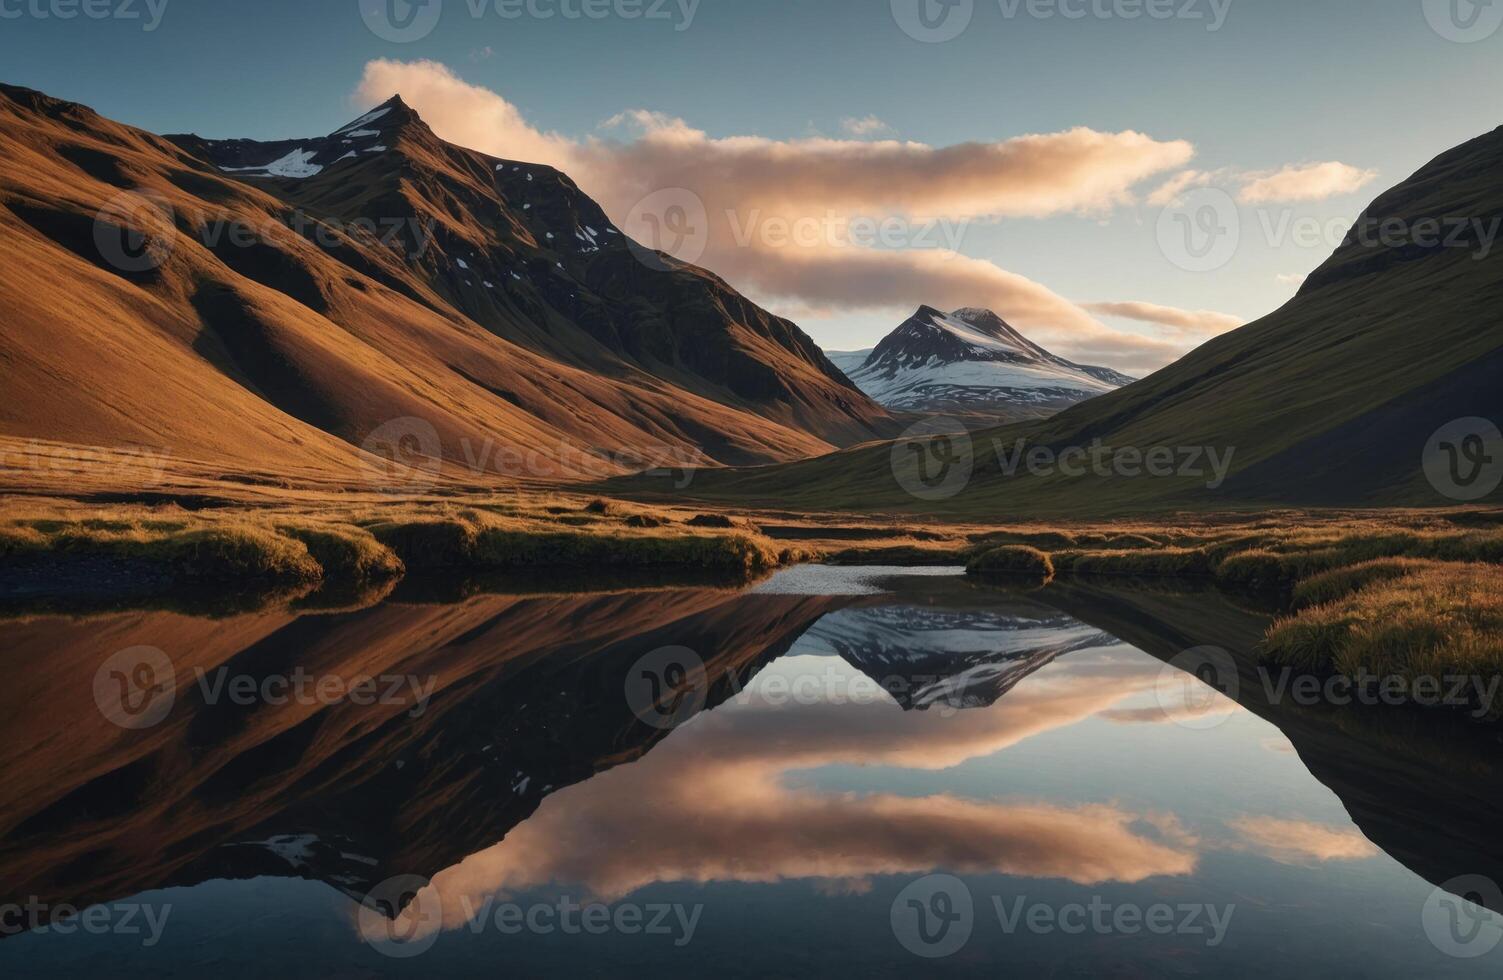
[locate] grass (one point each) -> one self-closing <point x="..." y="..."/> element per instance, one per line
<point x="70" y="549"/>
<point x="1013" y="559"/>
<point x="1342" y="582"/>
<point x="1439" y="620"/>
<point x="1158" y="563"/>
<point x="192" y="550"/>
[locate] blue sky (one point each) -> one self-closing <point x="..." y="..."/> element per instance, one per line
<point x="1368" y="83"/>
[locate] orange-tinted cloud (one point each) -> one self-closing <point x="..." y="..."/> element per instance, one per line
<point x="1300" y="842"/>
<point x="784" y="217"/>
<point x="1196" y="323"/>
<point x="1305" y="182"/>
<point x="1289" y="185"/>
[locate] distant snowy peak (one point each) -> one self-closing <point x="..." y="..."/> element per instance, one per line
<point x="971" y="361"/>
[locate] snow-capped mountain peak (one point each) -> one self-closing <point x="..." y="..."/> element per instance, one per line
<point x="360" y="139"/>
<point x="971" y="361"/>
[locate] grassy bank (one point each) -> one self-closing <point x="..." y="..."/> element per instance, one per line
<point x="1412" y="596"/>
<point x="58" y="548"/>
<point x="1428" y="622"/>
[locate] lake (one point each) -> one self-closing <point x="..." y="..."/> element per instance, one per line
<point x="876" y="771"/>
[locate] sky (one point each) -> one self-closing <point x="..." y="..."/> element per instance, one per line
<point x="1120" y="179"/>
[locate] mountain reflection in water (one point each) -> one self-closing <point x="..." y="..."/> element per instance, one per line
<point x="850" y="744"/>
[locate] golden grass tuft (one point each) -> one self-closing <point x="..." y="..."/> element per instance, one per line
<point x="1154" y="563"/>
<point x="232" y="549"/>
<point x="1013" y="559"/>
<point x="1438" y="621"/>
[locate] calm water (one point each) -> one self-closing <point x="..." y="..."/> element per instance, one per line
<point x="835" y="770"/>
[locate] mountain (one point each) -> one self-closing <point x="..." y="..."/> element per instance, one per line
<point x="352" y="795"/>
<point x="1332" y="400"/>
<point x="950" y="658"/>
<point x="971" y="362"/>
<point x="266" y="308"/>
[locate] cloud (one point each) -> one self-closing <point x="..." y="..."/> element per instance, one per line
<point x="1300" y="842"/>
<point x="1198" y="323"/>
<point x="1170" y="192"/>
<point x="1292" y="184"/>
<point x="1292" y="278"/>
<point x="1306" y="182"/>
<point x="752" y="187"/>
<point x="865" y="126"/>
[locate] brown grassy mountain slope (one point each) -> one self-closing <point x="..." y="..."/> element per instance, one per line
<point x="1330" y="400"/>
<point x="153" y="299"/>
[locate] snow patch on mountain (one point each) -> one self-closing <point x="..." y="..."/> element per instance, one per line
<point x="970" y="361"/>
